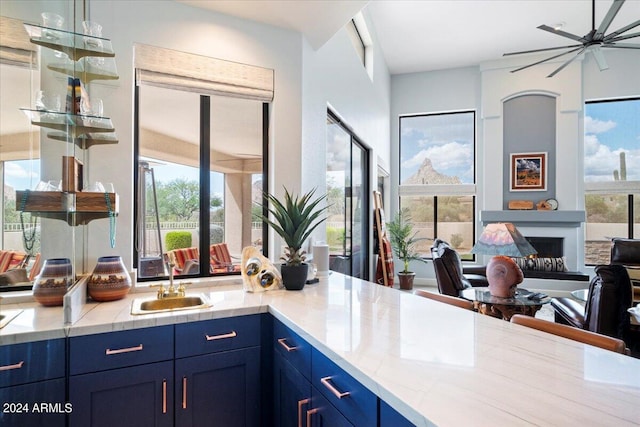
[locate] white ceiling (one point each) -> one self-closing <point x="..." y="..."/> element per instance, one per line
<point x="435" y="34"/>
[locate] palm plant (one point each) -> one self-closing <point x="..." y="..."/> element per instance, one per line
<point x="295" y="220"/>
<point x="403" y="239"/>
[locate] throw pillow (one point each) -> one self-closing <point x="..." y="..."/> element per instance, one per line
<point x="542" y="264"/>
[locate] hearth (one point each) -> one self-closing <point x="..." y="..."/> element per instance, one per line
<point x="547" y="247"/>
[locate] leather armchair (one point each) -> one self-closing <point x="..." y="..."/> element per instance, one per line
<point x="605" y="311"/>
<point x="627" y="252"/>
<point x="449" y="273"/>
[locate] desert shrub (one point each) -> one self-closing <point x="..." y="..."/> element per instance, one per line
<point x="456" y="240"/>
<point x="216" y="234"/>
<point x="177" y="240"/>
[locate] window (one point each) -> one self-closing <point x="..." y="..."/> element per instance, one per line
<point x="206" y="154"/>
<point x="356" y="40"/>
<point x="437" y="177"/>
<point x="362" y="42"/>
<point x="348" y="200"/>
<point x="611" y="175"/>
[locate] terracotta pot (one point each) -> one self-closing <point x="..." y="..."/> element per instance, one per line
<point x="406" y="280"/>
<point x="294" y="277"/>
<point x="53" y="281"/>
<point x="110" y="280"/>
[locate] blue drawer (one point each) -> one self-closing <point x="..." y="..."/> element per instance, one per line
<point x="292" y="347"/>
<point x="92" y="353"/>
<point x="33" y="361"/>
<point x="358" y="404"/>
<point x="211" y="336"/>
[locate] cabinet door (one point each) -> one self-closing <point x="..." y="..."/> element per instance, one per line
<point x="39" y="404"/>
<point x="389" y="417"/>
<point x="292" y="394"/>
<point x="324" y="414"/>
<point x="136" y="396"/>
<point x="219" y="389"/>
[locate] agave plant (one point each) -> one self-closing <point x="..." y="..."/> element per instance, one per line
<point x="295" y="220"/>
<point x="403" y="239"/>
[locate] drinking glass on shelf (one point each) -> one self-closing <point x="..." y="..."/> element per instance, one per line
<point x="46" y="101"/>
<point x="91" y="107"/>
<point x="51" y="21"/>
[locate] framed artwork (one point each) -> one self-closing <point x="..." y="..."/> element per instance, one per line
<point x="528" y="172"/>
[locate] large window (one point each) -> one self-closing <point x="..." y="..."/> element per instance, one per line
<point x="437" y="177"/>
<point x="348" y="199"/>
<point x="206" y="158"/>
<point x="611" y="174"/>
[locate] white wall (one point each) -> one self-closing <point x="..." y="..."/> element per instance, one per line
<point x="485" y="88"/>
<point x="306" y="81"/>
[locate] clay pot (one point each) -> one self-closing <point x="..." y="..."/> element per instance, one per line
<point x="406" y="280"/>
<point x="53" y="281"/>
<point x="110" y="280"/>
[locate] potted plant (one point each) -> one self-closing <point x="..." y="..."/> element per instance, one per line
<point x="403" y="241"/>
<point x="294" y="220"/>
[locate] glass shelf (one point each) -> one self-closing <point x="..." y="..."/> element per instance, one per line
<point x="75" y="45"/>
<point x="79" y="124"/>
<point x="86" y="70"/>
<point x="85" y="140"/>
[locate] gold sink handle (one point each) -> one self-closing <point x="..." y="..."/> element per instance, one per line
<point x="182" y="288"/>
<point x="161" y="290"/>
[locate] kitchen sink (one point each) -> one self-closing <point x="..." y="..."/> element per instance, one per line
<point x="7" y="316"/>
<point x="154" y="305"/>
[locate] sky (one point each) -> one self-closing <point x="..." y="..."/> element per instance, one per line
<point x="447" y="139"/>
<point x="611" y="127"/>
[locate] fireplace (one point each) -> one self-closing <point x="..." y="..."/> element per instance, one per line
<point x="548" y="247"/>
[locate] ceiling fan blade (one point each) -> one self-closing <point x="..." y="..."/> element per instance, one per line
<point x="621" y="46"/>
<point x="621" y="30"/>
<point x="541" y="50"/>
<point x="625" y="37"/>
<point x="600" y="60"/>
<point x="604" y="25"/>
<point x="547" y="59"/>
<point x="560" y="68"/>
<point x="563" y="33"/>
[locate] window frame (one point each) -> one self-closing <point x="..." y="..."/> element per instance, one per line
<point x="442" y="190"/>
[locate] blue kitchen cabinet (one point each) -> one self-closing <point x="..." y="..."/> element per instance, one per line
<point x="122" y="378"/>
<point x="389" y="417"/>
<point x="134" y="396"/>
<point x="32" y="384"/>
<point x="292" y="394"/>
<point x="217" y="372"/>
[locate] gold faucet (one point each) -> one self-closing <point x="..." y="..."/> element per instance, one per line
<point x="171" y="291"/>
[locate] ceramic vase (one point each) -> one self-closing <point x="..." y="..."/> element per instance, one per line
<point x="109" y="280"/>
<point x="53" y="281"/>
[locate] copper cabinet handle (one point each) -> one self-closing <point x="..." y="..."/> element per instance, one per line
<point x="283" y="343"/>
<point x="184" y="392"/>
<point x="164" y="396"/>
<point x="109" y="352"/>
<point x="332" y="389"/>
<point x="14" y="366"/>
<point x="231" y="334"/>
<point x="310" y="412"/>
<point x="301" y="403"/>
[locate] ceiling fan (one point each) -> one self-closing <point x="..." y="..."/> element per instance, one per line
<point x="590" y="42"/>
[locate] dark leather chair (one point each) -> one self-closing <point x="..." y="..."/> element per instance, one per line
<point x="627" y="252"/>
<point x="605" y="311"/>
<point x="449" y="273"/>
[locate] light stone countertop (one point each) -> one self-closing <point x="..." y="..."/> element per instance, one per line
<point x="434" y="363"/>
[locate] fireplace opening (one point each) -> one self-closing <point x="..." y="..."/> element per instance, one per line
<point x="547" y="247"/>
